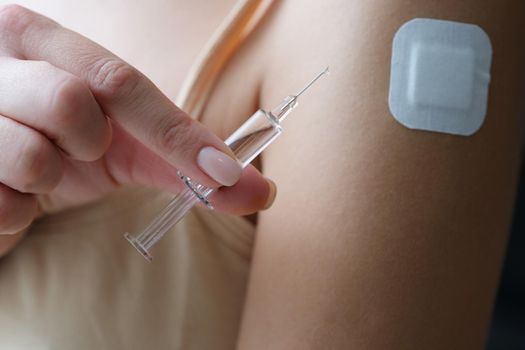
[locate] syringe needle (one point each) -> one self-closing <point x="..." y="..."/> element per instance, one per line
<point x="325" y="71"/>
<point x="290" y="102"/>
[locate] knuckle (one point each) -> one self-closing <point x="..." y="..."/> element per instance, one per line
<point x="176" y="135"/>
<point x="37" y="166"/>
<point x="32" y="164"/>
<point x="43" y="66"/>
<point x="11" y="219"/>
<point x="15" y="18"/>
<point x="113" y="77"/>
<point x="70" y="98"/>
<point x="75" y="113"/>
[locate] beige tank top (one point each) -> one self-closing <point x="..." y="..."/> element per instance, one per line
<point x="75" y="283"/>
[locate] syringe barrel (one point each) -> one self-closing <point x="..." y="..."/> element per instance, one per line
<point x="252" y="137"/>
<point x="247" y="142"/>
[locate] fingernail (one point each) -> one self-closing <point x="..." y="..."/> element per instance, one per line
<point x="271" y="194"/>
<point x="219" y="166"/>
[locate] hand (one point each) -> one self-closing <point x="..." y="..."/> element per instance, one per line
<point x="76" y="122"/>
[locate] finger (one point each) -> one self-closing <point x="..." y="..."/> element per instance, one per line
<point x="29" y="162"/>
<point x="125" y="95"/>
<point x="129" y="162"/>
<point x="17" y="211"/>
<point x="249" y="195"/>
<point x="141" y="166"/>
<point x="55" y="102"/>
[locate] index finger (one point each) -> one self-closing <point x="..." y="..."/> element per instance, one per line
<point x="124" y="94"/>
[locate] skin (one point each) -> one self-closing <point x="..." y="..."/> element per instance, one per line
<point x="380" y="237"/>
<point x="72" y="128"/>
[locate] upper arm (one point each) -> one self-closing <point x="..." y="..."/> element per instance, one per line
<point x="380" y="236"/>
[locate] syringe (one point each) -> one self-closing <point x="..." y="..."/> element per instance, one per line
<point x="247" y="142"/>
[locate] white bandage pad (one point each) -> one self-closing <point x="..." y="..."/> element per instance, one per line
<point x="440" y="76"/>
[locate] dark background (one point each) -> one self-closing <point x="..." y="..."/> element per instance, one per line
<point x="507" y="331"/>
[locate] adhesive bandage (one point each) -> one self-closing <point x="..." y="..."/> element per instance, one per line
<point x="440" y="74"/>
